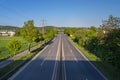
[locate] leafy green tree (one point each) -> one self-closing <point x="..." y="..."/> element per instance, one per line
<point x="91" y="34"/>
<point x="17" y="32"/>
<point x="111" y="23"/>
<point x="50" y="33"/>
<point x="93" y="28"/>
<point x="112" y="44"/>
<point x="14" y="45"/>
<point x="101" y="36"/>
<point x="80" y="36"/>
<point x="92" y="45"/>
<point x="68" y="31"/>
<point x="29" y="32"/>
<point x="104" y="42"/>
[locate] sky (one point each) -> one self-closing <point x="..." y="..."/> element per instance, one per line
<point x="61" y="13"/>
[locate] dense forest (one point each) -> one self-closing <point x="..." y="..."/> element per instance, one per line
<point x="103" y="41"/>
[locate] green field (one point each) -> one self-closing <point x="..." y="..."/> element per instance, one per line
<point x="5" y="53"/>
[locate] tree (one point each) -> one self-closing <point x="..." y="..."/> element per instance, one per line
<point x="68" y="31"/>
<point x="93" y="28"/>
<point x="14" y="46"/>
<point x="112" y="43"/>
<point x="111" y="23"/>
<point x="80" y="36"/>
<point x="49" y="33"/>
<point x="29" y="32"/>
<point x="17" y="32"/>
<point x="92" y="45"/>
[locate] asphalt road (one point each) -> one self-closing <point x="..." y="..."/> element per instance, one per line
<point x="60" y="60"/>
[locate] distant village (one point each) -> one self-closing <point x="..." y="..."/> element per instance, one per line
<point x="7" y="33"/>
<point x="7" y="30"/>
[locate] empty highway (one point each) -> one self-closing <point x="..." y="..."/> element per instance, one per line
<point x="59" y="60"/>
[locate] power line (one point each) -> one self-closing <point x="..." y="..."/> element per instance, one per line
<point x="13" y="11"/>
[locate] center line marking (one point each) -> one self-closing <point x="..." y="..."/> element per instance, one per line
<point x="55" y="66"/>
<point x="64" y="60"/>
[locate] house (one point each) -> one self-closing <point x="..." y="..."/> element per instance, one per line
<point x="7" y="33"/>
<point x="11" y="33"/>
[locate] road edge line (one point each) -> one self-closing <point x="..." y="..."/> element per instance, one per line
<point x="64" y="60"/>
<point x="22" y="68"/>
<point x="89" y="61"/>
<point x="55" y="65"/>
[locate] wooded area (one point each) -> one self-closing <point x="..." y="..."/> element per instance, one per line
<point x="104" y="41"/>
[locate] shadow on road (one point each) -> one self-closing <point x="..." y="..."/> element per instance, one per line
<point x="75" y="70"/>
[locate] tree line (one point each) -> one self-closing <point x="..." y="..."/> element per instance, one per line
<point x="103" y="41"/>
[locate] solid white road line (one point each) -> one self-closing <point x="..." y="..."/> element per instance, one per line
<point x="21" y="69"/>
<point x="56" y="62"/>
<point x="64" y="60"/>
<point x="72" y="53"/>
<point x="89" y="61"/>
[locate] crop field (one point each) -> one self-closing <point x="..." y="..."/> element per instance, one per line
<point x="5" y="53"/>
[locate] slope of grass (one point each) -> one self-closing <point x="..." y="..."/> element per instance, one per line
<point x="5" y="53"/>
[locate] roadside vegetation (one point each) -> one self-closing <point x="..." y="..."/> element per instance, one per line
<point x="29" y="32"/>
<point x="24" y="38"/>
<point x="7" y="71"/>
<point x="100" y="45"/>
<point x="5" y="52"/>
<point x="14" y="45"/>
<point x="29" y="35"/>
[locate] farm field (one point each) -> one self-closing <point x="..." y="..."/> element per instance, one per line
<point x="5" y="53"/>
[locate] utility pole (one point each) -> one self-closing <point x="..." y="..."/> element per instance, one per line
<point x="43" y="27"/>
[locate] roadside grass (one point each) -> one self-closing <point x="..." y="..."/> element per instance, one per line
<point x="108" y="70"/>
<point x="5" y="53"/>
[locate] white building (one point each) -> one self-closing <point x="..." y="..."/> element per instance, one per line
<point x="11" y="33"/>
<point x="7" y="33"/>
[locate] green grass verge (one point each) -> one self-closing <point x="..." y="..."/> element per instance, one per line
<point x="108" y="70"/>
<point x="5" y="53"/>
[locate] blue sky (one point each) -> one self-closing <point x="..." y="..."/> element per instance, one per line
<point x="74" y="13"/>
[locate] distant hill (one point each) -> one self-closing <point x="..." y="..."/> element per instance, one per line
<point x="9" y="28"/>
<point x="13" y="28"/>
<point x="47" y="27"/>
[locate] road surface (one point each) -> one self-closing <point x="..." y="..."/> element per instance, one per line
<point x="60" y="60"/>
